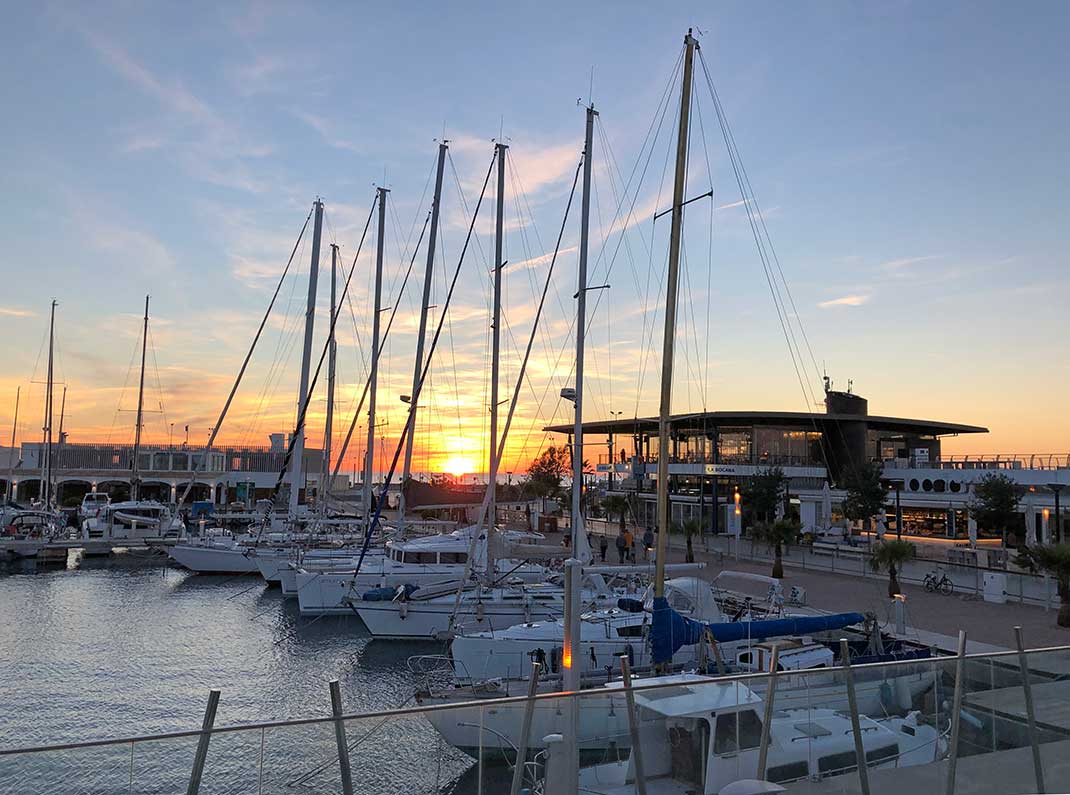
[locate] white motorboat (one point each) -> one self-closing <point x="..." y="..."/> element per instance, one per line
<point x="422" y="561"/>
<point x="698" y="736"/>
<point x="136" y="521"/>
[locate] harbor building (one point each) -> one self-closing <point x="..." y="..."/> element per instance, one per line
<point x="221" y="475"/>
<point x="713" y="453"/>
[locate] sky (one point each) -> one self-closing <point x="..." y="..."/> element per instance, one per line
<point x="907" y="159"/>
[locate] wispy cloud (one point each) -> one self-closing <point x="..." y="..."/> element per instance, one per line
<point x="329" y="132"/>
<point x="905" y="262"/>
<point x="856" y="299"/>
<point x="10" y="311"/>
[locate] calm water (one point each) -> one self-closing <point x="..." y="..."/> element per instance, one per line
<point x="129" y="646"/>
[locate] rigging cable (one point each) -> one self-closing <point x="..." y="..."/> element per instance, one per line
<point x="241" y="371"/>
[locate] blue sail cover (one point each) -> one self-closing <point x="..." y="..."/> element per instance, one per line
<point x="670" y="631"/>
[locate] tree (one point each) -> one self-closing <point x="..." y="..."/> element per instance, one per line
<point x="616" y="504"/>
<point x="1055" y="560"/>
<point x="763" y="492"/>
<point x="546" y="471"/>
<point x="866" y="493"/>
<point x="690" y="528"/>
<point x="890" y="556"/>
<point x="778" y="535"/>
<point x="994" y="504"/>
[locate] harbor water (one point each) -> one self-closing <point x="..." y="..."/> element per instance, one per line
<point x="129" y="646"/>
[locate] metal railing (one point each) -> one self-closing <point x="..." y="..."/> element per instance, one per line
<point x="993" y="729"/>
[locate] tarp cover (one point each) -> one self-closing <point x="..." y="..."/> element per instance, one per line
<point x="670" y="631"/>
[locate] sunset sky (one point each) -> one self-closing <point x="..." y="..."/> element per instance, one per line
<point x="909" y="160"/>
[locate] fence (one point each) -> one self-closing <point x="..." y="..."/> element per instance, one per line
<point x="990" y="720"/>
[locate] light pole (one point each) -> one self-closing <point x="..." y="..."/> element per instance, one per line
<point x="1055" y="489"/>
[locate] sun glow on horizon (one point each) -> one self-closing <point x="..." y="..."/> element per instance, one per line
<point x="458" y="465"/>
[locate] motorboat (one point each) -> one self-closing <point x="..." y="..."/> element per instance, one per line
<point x="421" y="561"/>
<point x="137" y="521"/>
<point x="699" y="736"/>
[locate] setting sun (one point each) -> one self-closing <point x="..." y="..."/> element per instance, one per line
<point x="458" y="465"/>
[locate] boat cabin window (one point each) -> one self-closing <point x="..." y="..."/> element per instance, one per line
<point x="745" y="658"/>
<point x="453" y="557"/>
<point x="833" y="764"/>
<point x="421" y="557"/>
<point x="688" y="742"/>
<point x="878" y="755"/>
<point x="633" y="631"/>
<point x="737" y="731"/>
<point x="792" y="771"/>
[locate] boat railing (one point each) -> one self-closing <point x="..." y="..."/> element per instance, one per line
<point x="992" y="707"/>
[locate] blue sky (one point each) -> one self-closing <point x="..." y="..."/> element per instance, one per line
<point x="909" y="159"/>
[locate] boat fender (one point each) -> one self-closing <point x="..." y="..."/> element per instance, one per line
<point x="403" y="610"/>
<point x="555" y="659"/>
<point x="631" y="654"/>
<point x="479" y="611"/>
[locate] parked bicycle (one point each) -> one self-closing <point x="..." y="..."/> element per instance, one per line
<point x="939" y="581"/>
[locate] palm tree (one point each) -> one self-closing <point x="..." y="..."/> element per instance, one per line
<point x="1055" y="560"/>
<point x="890" y="556"/>
<point x="778" y="535"/>
<point x="615" y="504"/>
<point x="689" y="528"/>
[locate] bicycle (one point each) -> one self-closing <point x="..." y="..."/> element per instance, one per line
<point x="942" y="583"/>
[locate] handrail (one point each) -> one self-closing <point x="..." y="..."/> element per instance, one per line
<point x="638" y="687"/>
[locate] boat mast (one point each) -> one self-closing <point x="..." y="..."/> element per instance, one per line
<point x="578" y="536"/>
<point x="10" y="493"/>
<point x="332" y="357"/>
<point x="135" y="479"/>
<point x="373" y="381"/>
<point x="46" y="485"/>
<point x="297" y="461"/>
<point x="495" y="362"/>
<point x="664" y="424"/>
<point x="429" y="271"/>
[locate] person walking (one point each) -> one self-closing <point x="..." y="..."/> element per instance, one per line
<point x="603" y="546"/>
<point x="629" y="546"/>
<point x="620" y="547"/>
<point x="648" y="543"/>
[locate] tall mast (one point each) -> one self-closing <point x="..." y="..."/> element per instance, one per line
<point x="429" y="272"/>
<point x="62" y="413"/>
<point x="495" y="361"/>
<point x="332" y="358"/>
<point x="135" y="480"/>
<point x="664" y="426"/>
<point x="46" y="485"/>
<point x="578" y="536"/>
<point x="10" y="494"/>
<point x="298" y="460"/>
<point x="369" y="461"/>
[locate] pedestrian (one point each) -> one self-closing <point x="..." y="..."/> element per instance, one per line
<point x="648" y="542"/>
<point x="620" y="547"/>
<point x="590" y="542"/>
<point x="629" y="546"/>
<point x="603" y="546"/>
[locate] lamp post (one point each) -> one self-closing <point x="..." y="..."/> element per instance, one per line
<point x="1055" y="489"/>
<point x="612" y="458"/>
<point x="898" y="512"/>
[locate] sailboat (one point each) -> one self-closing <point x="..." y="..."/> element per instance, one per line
<point x="135" y="519"/>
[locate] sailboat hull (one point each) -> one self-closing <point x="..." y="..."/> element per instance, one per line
<point x="210" y="560"/>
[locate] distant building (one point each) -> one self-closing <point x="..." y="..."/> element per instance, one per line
<point x="224" y="474"/>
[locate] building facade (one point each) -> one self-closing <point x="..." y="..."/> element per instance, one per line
<point x="712" y="454"/>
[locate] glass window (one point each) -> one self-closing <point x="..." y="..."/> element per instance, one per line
<point x="781" y="774"/>
<point x="737" y="732"/>
<point x="633" y="631"/>
<point x="842" y="762"/>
